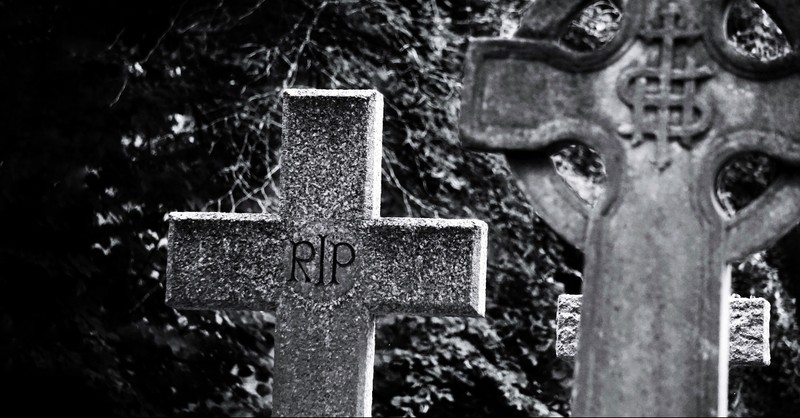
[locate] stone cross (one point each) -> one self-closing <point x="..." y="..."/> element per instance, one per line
<point x="328" y="264"/>
<point x="749" y="330"/>
<point x="666" y="104"/>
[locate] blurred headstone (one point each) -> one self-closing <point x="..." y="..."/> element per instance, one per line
<point x="666" y="103"/>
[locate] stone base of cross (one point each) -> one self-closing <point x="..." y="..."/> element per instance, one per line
<point x="749" y="330"/>
<point x="329" y="263"/>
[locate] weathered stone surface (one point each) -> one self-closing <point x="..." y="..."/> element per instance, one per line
<point x="345" y="127"/>
<point x="568" y="321"/>
<point x="329" y="264"/>
<point x="749" y="330"/>
<point x="224" y="261"/>
<point x="401" y="265"/>
<point x="666" y="104"/>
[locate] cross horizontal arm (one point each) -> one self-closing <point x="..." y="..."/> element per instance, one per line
<point x="224" y="261"/>
<point x="744" y="104"/>
<point x="519" y="96"/>
<point x="427" y="266"/>
<point x="749" y="330"/>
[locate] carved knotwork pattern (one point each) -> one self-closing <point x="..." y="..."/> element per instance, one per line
<point x="663" y="93"/>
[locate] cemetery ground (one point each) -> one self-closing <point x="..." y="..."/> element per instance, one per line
<point x="116" y="114"/>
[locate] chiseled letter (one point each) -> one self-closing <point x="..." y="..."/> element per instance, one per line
<point x="296" y="260"/>
<point x="336" y="263"/>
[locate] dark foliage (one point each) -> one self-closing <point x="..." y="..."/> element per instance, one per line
<point x="116" y="113"/>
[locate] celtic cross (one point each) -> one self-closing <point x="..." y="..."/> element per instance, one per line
<point x="667" y="103"/>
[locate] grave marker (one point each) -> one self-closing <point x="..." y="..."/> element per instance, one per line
<point x="329" y="263"/>
<point x="749" y="330"/>
<point x="666" y="104"/>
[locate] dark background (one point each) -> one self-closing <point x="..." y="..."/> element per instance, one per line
<point x="116" y="113"/>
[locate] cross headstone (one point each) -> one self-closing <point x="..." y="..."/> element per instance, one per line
<point x="666" y="104"/>
<point x="328" y="264"/>
<point x="749" y="330"/>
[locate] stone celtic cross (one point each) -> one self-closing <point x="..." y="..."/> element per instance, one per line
<point x="329" y="263"/>
<point x="666" y="104"/>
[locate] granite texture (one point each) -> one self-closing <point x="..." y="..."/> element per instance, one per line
<point x="666" y="105"/>
<point x="345" y="127"/>
<point x="328" y="265"/>
<point x="568" y="320"/>
<point x="749" y="330"/>
<point x="224" y="261"/>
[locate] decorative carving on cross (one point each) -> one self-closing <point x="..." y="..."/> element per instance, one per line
<point x="658" y="111"/>
<point x="329" y="263"/>
<point x="666" y="104"/>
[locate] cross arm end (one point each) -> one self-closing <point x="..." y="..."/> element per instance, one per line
<point x="429" y="266"/>
<point x="223" y="261"/>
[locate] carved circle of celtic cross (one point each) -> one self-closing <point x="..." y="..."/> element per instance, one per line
<point x="669" y="90"/>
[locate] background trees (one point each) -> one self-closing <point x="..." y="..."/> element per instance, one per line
<point x="115" y="113"/>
